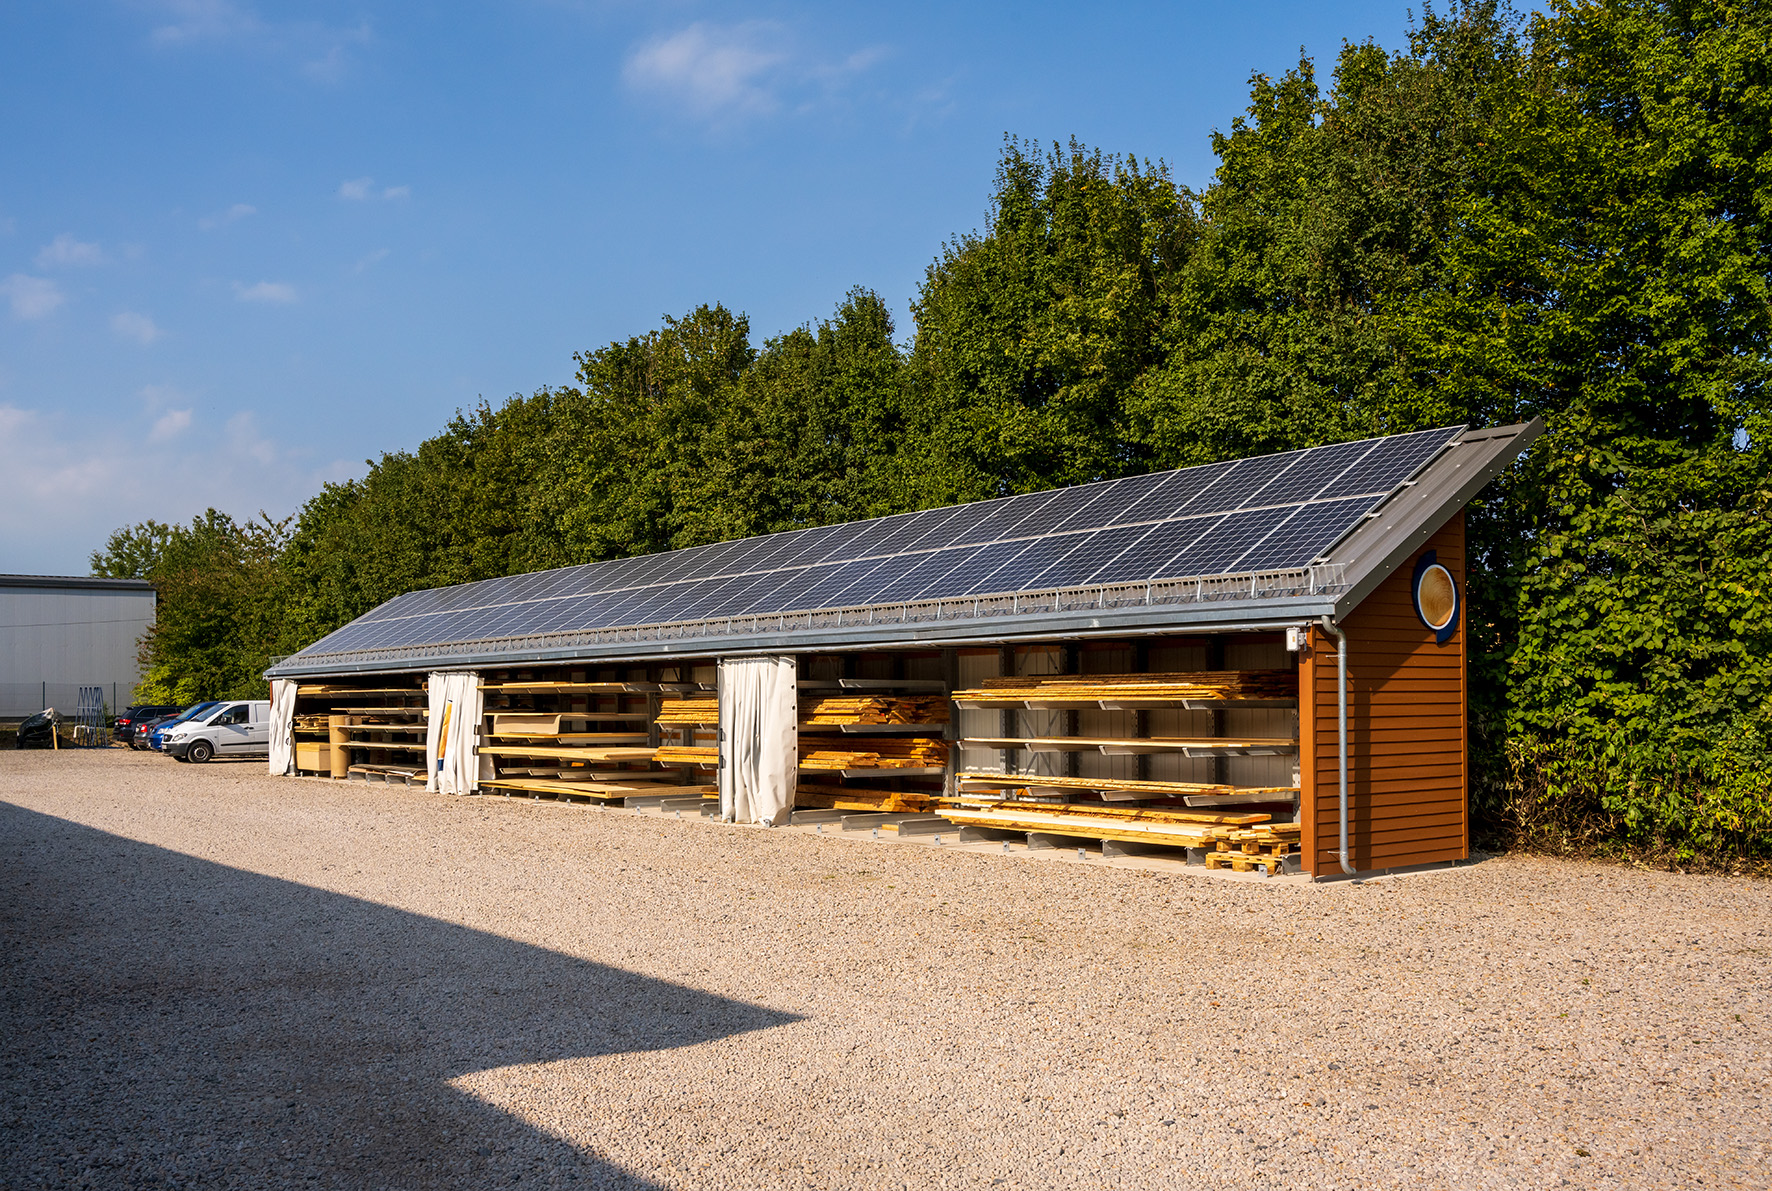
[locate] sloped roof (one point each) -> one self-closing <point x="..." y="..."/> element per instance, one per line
<point x="1266" y="537"/>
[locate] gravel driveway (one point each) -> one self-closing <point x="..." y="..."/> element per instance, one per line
<point x="212" y="978"/>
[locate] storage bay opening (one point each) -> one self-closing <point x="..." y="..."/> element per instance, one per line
<point x="1140" y="664"/>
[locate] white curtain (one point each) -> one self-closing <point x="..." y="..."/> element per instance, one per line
<point x="452" y="732"/>
<point x="282" y="727"/>
<point x="759" y="739"/>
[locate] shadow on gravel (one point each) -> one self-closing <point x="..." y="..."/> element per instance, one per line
<point x="170" y="1022"/>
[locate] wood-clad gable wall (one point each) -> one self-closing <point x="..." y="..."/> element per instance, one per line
<point x="1407" y="755"/>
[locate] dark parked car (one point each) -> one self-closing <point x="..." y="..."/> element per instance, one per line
<point x="140" y="735"/>
<point x="158" y="728"/>
<point x="123" y="728"/>
<point x="36" y="730"/>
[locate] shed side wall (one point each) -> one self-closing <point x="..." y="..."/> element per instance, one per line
<point x="1407" y="754"/>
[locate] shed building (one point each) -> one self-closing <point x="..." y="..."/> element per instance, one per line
<point x="67" y="640"/>
<point x="1261" y="661"/>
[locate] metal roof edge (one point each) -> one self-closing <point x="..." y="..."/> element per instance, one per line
<point x="76" y="582"/>
<point x="1402" y="524"/>
<point x="1250" y="615"/>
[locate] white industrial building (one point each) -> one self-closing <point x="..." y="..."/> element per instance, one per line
<point x="69" y="640"/>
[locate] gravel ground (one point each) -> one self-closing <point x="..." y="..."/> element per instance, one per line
<point x="212" y="978"/>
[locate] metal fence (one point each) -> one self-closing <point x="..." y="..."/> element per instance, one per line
<point x="93" y="704"/>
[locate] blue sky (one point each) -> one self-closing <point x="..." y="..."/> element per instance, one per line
<point x="245" y="246"/>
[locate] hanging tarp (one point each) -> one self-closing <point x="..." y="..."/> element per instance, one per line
<point x="282" y="727"/>
<point x="451" y="733"/>
<point x="759" y="739"/>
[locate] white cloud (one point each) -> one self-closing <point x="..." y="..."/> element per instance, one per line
<point x="31" y="297"/>
<point x="65" y="250"/>
<point x="727" y="73"/>
<point x="360" y="190"/>
<point x="71" y="481"/>
<point x="265" y="291"/>
<point x="137" y="327"/>
<point x="712" y="69"/>
<point x="204" y="20"/>
<point x="368" y="260"/>
<point x="319" y="51"/>
<point x="233" y="214"/>
<point x="170" y="425"/>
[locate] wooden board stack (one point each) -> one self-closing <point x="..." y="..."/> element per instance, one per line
<point x="1260" y="845"/>
<point x="875" y="709"/>
<point x="991" y="787"/>
<point x="689" y="711"/>
<point x="820" y="796"/>
<point x="686" y="754"/>
<point x="879" y="752"/>
<point x="1215" y="685"/>
<point x="1238" y="842"/>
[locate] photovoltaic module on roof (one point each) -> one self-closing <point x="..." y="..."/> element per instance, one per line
<point x="1266" y="513"/>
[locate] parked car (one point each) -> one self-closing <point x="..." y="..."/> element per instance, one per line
<point x="123" y="727"/>
<point x="157" y="731"/>
<point x="241" y="729"/>
<point x="36" y="731"/>
<point x="139" y="736"/>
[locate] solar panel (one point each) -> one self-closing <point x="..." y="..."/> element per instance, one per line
<point x="1002" y="522"/>
<point x="1106" y="500"/>
<point x="786" y="593"/>
<point x="833" y="590"/>
<point x="1237" y="485"/>
<point x="1389" y="463"/>
<point x="1265" y="513"/>
<point x="920" y="571"/>
<point x="1305" y="535"/>
<point x="973" y="574"/>
<point x="1216" y="551"/>
<point x="954" y="528"/>
<point x="1088" y="551"/>
<point x="1144" y="559"/>
<point x="1169" y="497"/>
<point x="1309" y="476"/>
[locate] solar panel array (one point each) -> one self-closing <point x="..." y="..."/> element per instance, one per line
<point x="1270" y="512"/>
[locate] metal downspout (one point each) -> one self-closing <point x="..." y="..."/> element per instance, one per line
<point x="1329" y="626"/>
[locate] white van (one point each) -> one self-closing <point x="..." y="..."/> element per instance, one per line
<point x="240" y="729"/>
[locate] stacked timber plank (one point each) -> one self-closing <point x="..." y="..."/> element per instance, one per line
<point x="1239" y="842"/>
<point x="687" y="754"/>
<point x="688" y="712"/>
<point x="824" y="796"/>
<point x="880" y="752"/>
<point x="1203" y="685"/>
<point x="875" y="709"/>
<point x="605" y="791"/>
<point x="993" y="786"/>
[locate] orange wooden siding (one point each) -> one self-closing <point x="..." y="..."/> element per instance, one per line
<point x="1407" y="760"/>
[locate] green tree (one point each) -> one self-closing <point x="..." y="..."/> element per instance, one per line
<point x="1033" y="336"/>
